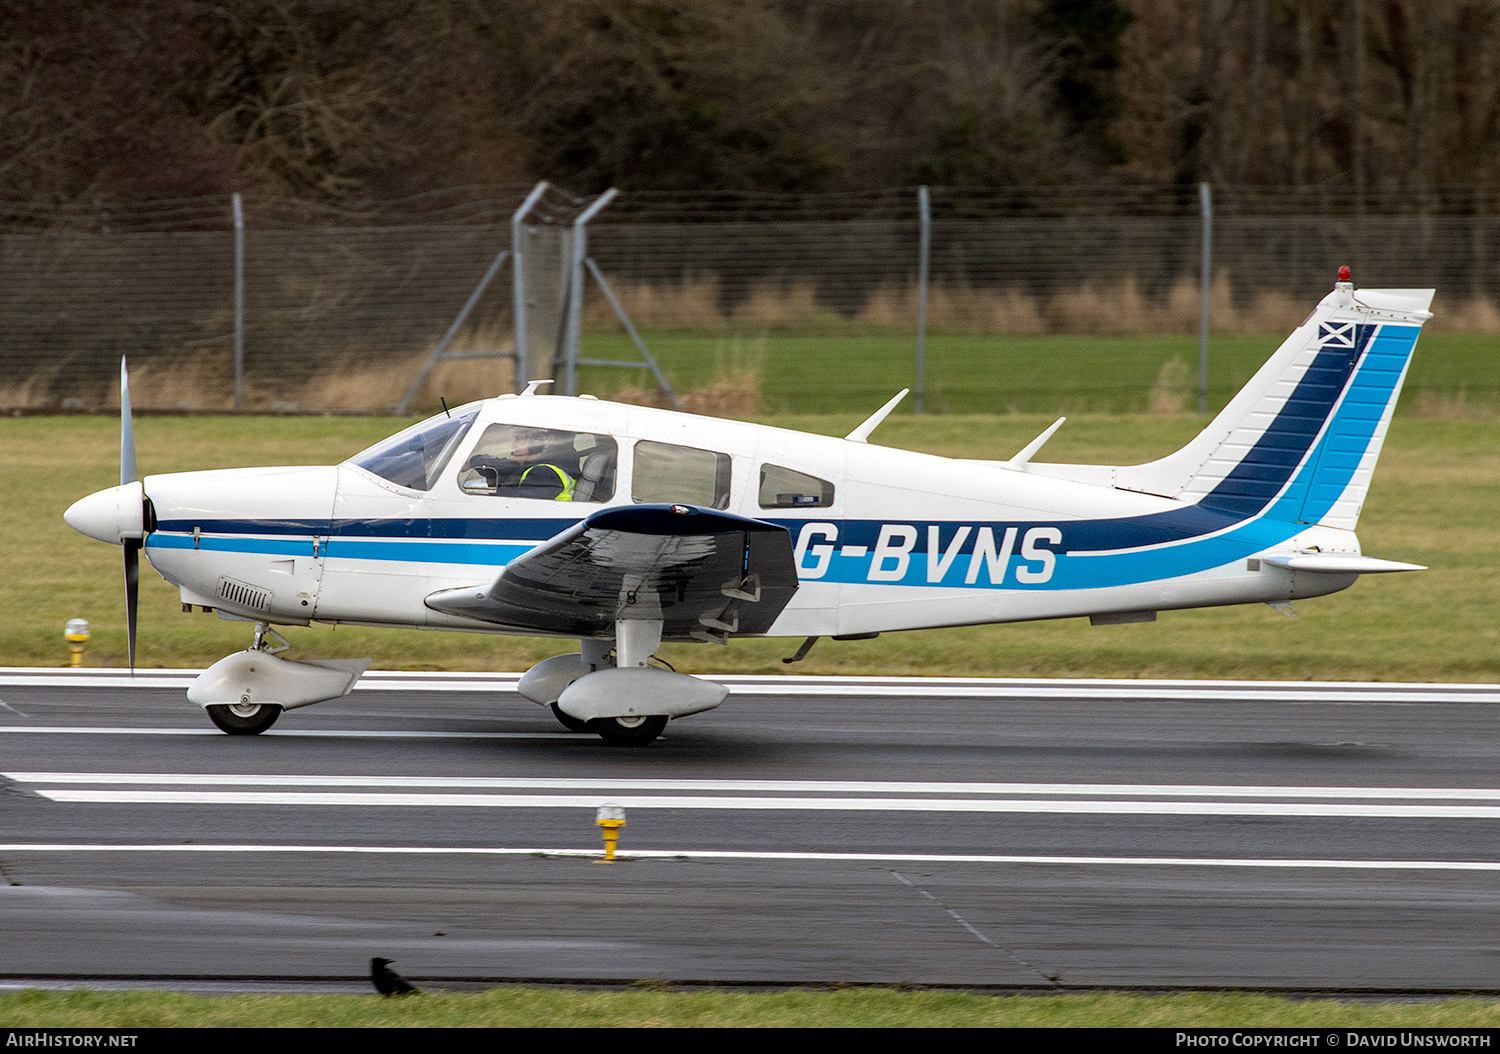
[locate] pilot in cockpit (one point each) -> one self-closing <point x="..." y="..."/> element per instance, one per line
<point x="536" y="466"/>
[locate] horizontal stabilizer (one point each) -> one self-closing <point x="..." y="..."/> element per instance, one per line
<point x="1339" y="564"/>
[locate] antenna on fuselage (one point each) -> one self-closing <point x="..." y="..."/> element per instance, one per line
<point x="1019" y="461"/>
<point x="862" y="433"/>
<point x="532" y="386"/>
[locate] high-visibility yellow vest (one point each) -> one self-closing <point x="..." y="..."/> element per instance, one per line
<point x="568" y="482"/>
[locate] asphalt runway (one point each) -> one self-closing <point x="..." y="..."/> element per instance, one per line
<point x="998" y="835"/>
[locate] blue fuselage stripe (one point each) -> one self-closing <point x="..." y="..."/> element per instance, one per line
<point x="491" y="554"/>
<point x="456" y="528"/>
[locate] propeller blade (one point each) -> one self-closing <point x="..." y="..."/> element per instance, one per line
<point x="132" y="546"/>
<point x="127" y="428"/>
<point x="132" y="594"/>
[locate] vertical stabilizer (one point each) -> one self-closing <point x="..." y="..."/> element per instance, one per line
<point x="1308" y="428"/>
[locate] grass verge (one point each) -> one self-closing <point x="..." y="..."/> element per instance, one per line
<point x="1434" y="502"/>
<point x="1452" y="374"/>
<point x="860" y="1008"/>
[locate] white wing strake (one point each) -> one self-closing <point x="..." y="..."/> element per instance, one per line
<point x="624" y="526"/>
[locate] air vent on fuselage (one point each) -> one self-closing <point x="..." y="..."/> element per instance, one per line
<point x="244" y="595"/>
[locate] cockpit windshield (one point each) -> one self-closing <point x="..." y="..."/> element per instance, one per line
<point x="414" y="458"/>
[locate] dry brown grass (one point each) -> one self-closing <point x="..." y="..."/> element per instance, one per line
<point x="732" y="395"/>
<point x="1474" y="315"/>
<point x="202" y="380"/>
<point x="1123" y="309"/>
<point x="735" y="395"/>
<point x="784" y="306"/>
<point x="734" y="391"/>
<point x="689" y="304"/>
<point x="29" y="394"/>
<point x="191" y="383"/>
<point x="1272" y="313"/>
<point x="1173" y="388"/>
<point x="896" y="306"/>
<point x="358" y="385"/>
<point x="348" y="381"/>
<point x="1453" y="406"/>
<point x="1091" y="309"/>
<point x="957" y="309"/>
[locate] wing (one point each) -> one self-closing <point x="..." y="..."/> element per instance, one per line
<point x="704" y="574"/>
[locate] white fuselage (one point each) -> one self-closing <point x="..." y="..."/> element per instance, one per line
<point x="896" y="540"/>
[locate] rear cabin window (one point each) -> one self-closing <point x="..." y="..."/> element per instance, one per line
<point x="516" y="461"/>
<point x="785" y="488"/>
<point x="665" y="472"/>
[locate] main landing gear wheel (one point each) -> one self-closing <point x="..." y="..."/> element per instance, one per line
<point x="568" y="721"/>
<point x="244" y="719"/>
<point x="628" y="731"/>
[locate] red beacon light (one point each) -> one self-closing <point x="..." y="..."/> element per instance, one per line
<point x="1344" y="274"/>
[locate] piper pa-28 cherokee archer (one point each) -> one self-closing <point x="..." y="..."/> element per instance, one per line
<point x="624" y="526"/>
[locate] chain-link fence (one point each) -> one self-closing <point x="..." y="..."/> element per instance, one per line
<point x="342" y="308"/>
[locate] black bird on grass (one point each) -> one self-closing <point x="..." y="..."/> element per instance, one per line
<point x="388" y="981"/>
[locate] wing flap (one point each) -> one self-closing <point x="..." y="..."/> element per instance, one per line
<point x="705" y="574"/>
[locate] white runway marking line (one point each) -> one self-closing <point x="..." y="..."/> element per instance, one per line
<point x="779" y="786"/>
<point x="795" y="685"/>
<point x="307" y="733"/>
<point x="766" y="855"/>
<point x="970" y="805"/>
<point x="136" y="788"/>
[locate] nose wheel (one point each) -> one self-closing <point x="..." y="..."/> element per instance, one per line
<point x="244" y="719"/>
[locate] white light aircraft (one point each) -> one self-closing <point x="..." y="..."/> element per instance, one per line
<point x="624" y="526"/>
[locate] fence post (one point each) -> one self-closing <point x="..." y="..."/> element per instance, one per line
<point x="518" y="286"/>
<point x="239" y="304"/>
<point x="574" y="306"/>
<point x="924" y="257"/>
<point x="1207" y="210"/>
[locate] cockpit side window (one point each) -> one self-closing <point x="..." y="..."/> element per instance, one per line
<point x="665" y="472"/>
<point x="518" y="461"/>
<point x="785" y="488"/>
<point x="416" y="457"/>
